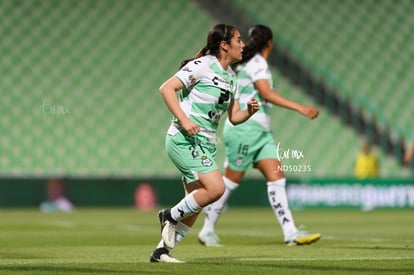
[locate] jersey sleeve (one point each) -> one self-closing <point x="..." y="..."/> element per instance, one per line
<point x="259" y="69"/>
<point x="191" y="73"/>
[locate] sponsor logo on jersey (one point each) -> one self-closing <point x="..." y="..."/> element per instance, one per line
<point x="231" y="84"/>
<point x="205" y="161"/>
<point x="239" y="161"/>
<point x="192" y="79"/>
<point x="216" y="81"/>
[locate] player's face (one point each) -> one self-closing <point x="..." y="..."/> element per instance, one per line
<point x="270" y="43"/>
<point x="236" y="48"/>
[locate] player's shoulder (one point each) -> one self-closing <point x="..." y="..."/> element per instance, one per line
<point x="199" y="64"/>
<point x="204" y="60"/>
<point x="256" y="66"/>
<point x="257" y="61"/>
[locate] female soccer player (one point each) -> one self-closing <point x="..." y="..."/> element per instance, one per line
<point x="208" y="88"/>
<point x="258" y="147"/>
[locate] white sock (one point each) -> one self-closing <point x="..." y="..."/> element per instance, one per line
<point x="214" y="209"/>
<point x="161" y="245"/>
<point x="180" y="232"/>
<point x="276" y="192"/>
<point x="185" y="208"/>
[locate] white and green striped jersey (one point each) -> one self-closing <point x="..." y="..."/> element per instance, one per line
<point x="247" y="74"/>
<point x="208" y="89"/>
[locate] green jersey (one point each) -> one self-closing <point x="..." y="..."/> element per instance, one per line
<point x="208" y="90"/>
<point x="247" y="74"/>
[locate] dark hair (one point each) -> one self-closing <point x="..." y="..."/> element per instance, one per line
<point x="220" y="32"/>
<point x="258" y="37"/>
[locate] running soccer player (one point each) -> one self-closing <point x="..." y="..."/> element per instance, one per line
<point x="208" y="88"/>
<point x="258" y="147"/>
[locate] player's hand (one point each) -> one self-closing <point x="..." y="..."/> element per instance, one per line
<point x="190" y="126"/>
<point x="310" y="112"/>
<point x="253" y="106"/>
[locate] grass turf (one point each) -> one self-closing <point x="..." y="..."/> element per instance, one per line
<point x="119" y="241"/>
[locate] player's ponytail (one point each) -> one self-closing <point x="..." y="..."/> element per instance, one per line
<point x="259" y="35"/>
<point x="202" y="52"/>
<point x="220" y="32"/>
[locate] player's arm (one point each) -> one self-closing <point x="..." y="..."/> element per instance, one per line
<point x="263" y="86"/>
<point x="168" y="92"/>
<point x="237" y="116"/>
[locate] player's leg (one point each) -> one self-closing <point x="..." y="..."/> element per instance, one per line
<point x="162" y="252"/>
<point x="207" y="235"/>
<point x="185" y="224"/>
<point x="206" y="190"/>
<point x="240" y="150"/>
<point x="178" y="220"/>
<point x="205" y="185"/>
<point x="276" y="190"/>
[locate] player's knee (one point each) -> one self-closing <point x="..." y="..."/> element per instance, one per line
<point x="217" y="192"/>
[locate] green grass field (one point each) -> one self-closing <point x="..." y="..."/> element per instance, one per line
<point x="119" y="241"/>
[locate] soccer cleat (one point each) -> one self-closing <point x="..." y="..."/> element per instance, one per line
<point x="302" y="237"/>
<point x="167" y="228"/>
<point x="161" y="255"/>
<point x="209" y="239"/>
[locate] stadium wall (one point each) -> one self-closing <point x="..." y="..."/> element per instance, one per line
<point x="313" y="193"/>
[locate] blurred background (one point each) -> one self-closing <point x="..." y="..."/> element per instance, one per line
<point x="80" y="104"/>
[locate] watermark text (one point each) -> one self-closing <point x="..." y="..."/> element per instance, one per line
<point x="49" y="109"/>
